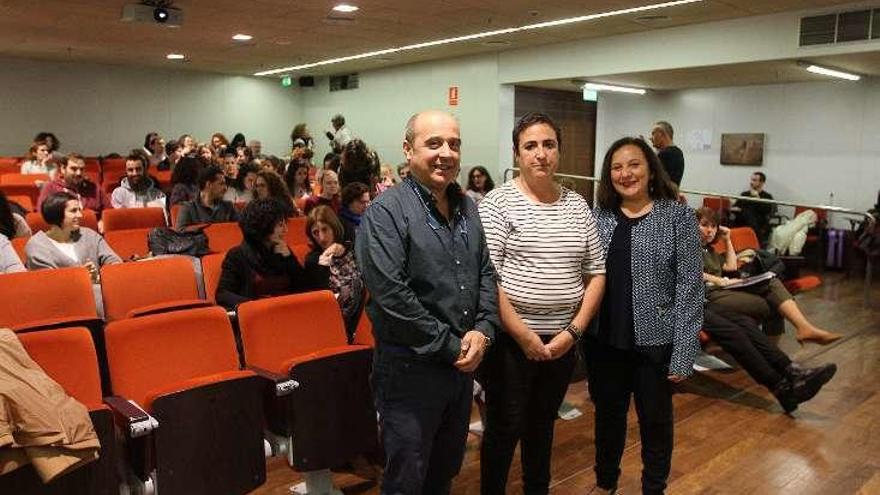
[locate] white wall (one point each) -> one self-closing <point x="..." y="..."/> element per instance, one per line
<point x="378" y="110"/>
<point x="98" y="109"/>
<point x="820" y="138"/>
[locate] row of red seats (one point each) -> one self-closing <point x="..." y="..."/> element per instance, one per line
<point x="192" y="418"/>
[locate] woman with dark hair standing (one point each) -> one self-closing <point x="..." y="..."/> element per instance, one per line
<point x="479" y="183"/>
<point x="646" y="337"/>
<point x="543" y="243"/>
<point x="358" y="164"/>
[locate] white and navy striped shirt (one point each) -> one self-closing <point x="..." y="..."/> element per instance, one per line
<point x="541" y="253"/>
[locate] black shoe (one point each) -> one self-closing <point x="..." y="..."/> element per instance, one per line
<point x="802" y="384"/>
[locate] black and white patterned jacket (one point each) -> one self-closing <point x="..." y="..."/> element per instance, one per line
<point x="667" y="271"/>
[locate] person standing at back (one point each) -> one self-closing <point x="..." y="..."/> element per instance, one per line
<point x="670" y="155"/>
<point x="433" y="305"/>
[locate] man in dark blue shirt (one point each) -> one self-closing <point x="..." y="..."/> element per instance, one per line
<point x="433" y="305"/>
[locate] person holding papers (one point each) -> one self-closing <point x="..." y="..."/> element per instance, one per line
<point x="760" y="301"/>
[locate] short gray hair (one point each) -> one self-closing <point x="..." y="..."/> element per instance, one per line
<point x="666" y="126"/>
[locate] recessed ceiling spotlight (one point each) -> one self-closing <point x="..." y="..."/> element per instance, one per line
<point x="175" y="56"/>
<point x="344" y="7"/>
<point x="242" y="37"/>
<point x="477" y="36"/>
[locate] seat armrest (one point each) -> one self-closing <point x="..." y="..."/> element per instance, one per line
<point x="130" y="417"/>
<point x="284" y="385"/>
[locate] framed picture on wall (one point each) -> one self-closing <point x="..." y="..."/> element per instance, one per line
<point x="742" y="149"/>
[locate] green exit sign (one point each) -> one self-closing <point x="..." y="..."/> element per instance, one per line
<point x="286" y="81"/>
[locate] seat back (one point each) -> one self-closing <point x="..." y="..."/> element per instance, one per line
<point x="363" y="334"/>
<point x="10" y="165"/>
<point x="133" y="218"/>
<point x="36" y="222"/>
<point x="300" y="251"/>
<point x="212" y="267"/>
<point x="112" y="169"/>
<point x="744" y="238"/>
<point x="223" y="236"/>
<point x="18" y="244"/>
<point x="174" y="213"/>
<point x="68" y="356"/>
<point x="821" y="215"/>
<point x="717" y="204"/>
<point x="29" y="190"/>
<point x="131" y="286"/>
<point x="153" y="352"/>
<point x="274" y="330"/>
<point x="22" y="200"/>
<point x="46" y="297"/>
<point x="23" y="179"/>
<point x="296" y="231"/>
<point x="129" y="242"/>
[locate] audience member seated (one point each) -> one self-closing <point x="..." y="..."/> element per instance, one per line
<point x="70" y="178"/>
<point x="209" y="206"/>
<point x="297" y="178"/>
<point x="137" y="189"/>
<point x="39" y="160"/>
<point x="403" y="170"/>
<point x="12" y="224"/>
<point x="387" y="180"/>
<point x="154" y="148"/>
<point x="173" y="154"/>
<point x="53" y="142"/>
<point x="67" y="244"/>
<point x="262" y="265"/>
<point x="332" y="264"/>
<point x="752" y="214"/>
<point x="239" y="178"/>
<point x="9" y="261"/>
<point x="479" y="183"/>
<point x="740" y="337"/>
<point x="329" y="195"/>
<point x="759" y="301"/>
<point x="268" y="184"/>
<point x="219" y="143"/>
<point x="355" y="200"/>
<point x="184" y="180"/>
<point x="357" y="164"/>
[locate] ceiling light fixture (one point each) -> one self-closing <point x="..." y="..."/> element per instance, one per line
<point x="242" y="37"/>
<point x="825" y="71"/>
<point x="344" y="7"/>
<point x="616" y="89"/>
<point x="175" y="56"/>
<point x="484" y="34"/>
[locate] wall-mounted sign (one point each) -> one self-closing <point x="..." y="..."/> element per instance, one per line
<point x="453" y="96"/>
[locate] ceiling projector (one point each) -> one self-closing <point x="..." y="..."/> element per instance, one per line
<point x="157" y="12"/>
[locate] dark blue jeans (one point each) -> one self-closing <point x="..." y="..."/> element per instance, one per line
<point x="424" y="412"/>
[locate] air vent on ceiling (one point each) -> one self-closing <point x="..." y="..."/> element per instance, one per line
<point x="841" y="27"/>
<point x="343" y="82"/>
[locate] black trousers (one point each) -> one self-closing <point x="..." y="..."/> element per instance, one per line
<point x="739" y="335"/>
<point x="424" y="412"/>
<point x="522" y="402"/>
<point x="613" y="376"/>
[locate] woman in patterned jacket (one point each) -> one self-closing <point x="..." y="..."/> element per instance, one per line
<point x="646" y="336"/>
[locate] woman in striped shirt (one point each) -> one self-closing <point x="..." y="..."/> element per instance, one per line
<point x="543" y="241"/>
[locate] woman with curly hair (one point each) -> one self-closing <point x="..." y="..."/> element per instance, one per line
<point x="262" y="265"/>
<point x="269" y="185"/>
<point x="479" y="183"/>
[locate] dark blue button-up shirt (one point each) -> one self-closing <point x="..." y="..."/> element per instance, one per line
<point x="430" y="280"/>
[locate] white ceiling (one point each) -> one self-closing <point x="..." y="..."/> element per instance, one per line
<point x="291" y="32"/>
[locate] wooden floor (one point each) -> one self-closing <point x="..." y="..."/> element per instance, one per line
<point x="731" y="436"/>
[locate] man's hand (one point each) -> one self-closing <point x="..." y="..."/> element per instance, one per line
<point x="473" y="347"/>
<point x="533" y="348"/>
<point x="559" y="345"/>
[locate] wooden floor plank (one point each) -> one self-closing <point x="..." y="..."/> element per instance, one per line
<point x="731" y="435"/>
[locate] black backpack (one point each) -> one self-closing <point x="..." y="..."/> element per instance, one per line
<point x="190" y="241"/>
